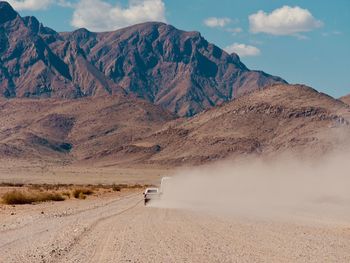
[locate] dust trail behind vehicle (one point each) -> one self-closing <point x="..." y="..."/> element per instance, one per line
<point x="279" y="188"/>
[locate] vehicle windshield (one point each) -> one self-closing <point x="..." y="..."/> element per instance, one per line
<point x="152" y="191"/>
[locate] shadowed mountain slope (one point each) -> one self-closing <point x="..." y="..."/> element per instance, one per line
<point x="118" y="130"/>
<point x="281" y="118"/>
<point x="178" y="70"/>
<point x="65" y="131"/>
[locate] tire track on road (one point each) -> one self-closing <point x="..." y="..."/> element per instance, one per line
<point x="74" y="213"/>
<point x="161" y="242"/>
<point x="91" y="228"/>
<point x="55" y="235"/>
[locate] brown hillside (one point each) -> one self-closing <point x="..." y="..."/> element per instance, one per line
<point x="66" y="131"/>
<point x="124" y="131"/>
<point x="278" y="119"/>
<point x="346" y="99"/>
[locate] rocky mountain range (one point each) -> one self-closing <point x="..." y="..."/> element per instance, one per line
<point x="117" y="130"/>
<point x="148" y="95"/>
<point x="177" y="70"/>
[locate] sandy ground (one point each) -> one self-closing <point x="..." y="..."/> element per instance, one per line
<point x="37" y="173"/>
<point x="118" y="228"/>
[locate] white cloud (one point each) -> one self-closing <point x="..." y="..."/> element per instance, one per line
<point x="283" y="21"/>
<point x="235" y="31"/>
<point x="65" y="3"/>
<point x="30" y="4"/>
<point x="332" y="33"/>
<point x="37" y="4"/>
<point x="98" y="15"/>
<point x="243" y="50"/>
<point x="217" y="21"/>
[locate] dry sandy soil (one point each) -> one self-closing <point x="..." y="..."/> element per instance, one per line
<point x="26" y="173"/>
<point x="118" y="228"/>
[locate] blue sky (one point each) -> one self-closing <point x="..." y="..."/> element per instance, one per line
<point x="311" y="47"/>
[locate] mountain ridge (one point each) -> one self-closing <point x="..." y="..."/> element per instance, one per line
<point x="345" y="99"/>
<point x="175" y="69"/>
<point x="128" y="132"/>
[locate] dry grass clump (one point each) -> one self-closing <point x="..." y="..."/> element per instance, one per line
<point x="116" y="188"/>
<point x="16" y="197"/>
<point x="67" y="194"/>
<point x="33" y="193"/>
<point x="49" y="187"/>
<point x="81" y="196"/>
<point x="81" y="193"/>
<point x="119" y="187"/>
<point x="11" y="185"/>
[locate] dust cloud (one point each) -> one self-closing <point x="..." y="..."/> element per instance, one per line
<point x="281" y="188"/>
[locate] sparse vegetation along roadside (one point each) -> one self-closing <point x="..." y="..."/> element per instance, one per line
<point x="17" y="197"/>
<point x="11" y="185"/>
<point x="67" y="194"/>
<point x="81" y="193"/>
<point x="116" y="188"/>
<point x="36" y="193"/>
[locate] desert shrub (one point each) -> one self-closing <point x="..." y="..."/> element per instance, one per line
<point x="81" y="196"/>
<point x="51" y="197"/>
<point x="66" y="193"/>
<point x="116" y="188"/>
<point x="11" y="185"/>
<point x="136" y="186"/>
<point x="19" y="198"/>
<point x="85" y="191"/>
<point x="96" y="187"/>
<point x="48" y="187"/>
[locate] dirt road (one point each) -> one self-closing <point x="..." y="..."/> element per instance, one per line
<point x="121" y="229"/>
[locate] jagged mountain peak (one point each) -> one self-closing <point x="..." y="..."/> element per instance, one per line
<point x="7" y="13"/>
<point x="178" y="70"/>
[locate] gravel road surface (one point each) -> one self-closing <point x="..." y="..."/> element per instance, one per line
<point x="118" y="228"/>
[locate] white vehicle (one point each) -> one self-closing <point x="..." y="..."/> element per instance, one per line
<point x="156" y="193"/>
<point x="151" y="194"/>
